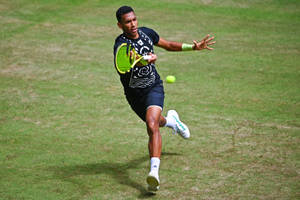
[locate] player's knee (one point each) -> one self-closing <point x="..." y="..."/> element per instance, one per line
<point x="152" y="125"/>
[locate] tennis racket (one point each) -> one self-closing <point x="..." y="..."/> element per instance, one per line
<point x="126" y="58"/>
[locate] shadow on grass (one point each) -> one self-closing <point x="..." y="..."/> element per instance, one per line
<point x="118" y="171"/>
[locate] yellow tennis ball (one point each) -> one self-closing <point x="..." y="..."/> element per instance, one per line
<point x="170" y="79"/>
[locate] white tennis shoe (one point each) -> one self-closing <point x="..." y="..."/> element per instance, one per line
<point x="179" y="127"/>
<point x="153" y="181"/>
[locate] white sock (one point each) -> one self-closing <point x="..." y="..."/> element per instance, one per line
<point x="170" y="122"/>
<point x="154" y="164"/>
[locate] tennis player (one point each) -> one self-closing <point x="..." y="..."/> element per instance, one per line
<point x="143" y="86"/>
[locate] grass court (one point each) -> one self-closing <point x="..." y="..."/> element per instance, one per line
<point x="67" y="132"/>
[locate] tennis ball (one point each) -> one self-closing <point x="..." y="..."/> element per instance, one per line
<point x="170" y="79"/>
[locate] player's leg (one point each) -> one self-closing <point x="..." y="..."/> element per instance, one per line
<point x="162" y="121"/>
<point x="153" y="120"/>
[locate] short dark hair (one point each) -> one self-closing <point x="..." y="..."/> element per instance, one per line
<point x="122" y="11"/>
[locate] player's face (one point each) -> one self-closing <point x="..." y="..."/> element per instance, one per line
<point x="129" y="25"/>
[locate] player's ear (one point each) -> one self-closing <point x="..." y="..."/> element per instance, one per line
<point x="119" y="25"/>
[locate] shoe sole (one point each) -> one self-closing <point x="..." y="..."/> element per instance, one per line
<point x="153" y="183"/>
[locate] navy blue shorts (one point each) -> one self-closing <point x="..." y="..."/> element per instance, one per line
<point x="140" y="101"/>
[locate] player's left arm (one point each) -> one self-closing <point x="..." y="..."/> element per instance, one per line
<point x="178" y="46"/>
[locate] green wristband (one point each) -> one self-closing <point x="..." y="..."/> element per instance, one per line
<point x="186" y="47"/>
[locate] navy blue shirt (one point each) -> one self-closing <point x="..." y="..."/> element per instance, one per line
<point x="139" y="79"/>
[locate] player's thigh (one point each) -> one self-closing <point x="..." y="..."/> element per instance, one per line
<point x="138" y="105"/>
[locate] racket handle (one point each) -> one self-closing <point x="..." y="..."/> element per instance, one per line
<point x="147" y="57"/>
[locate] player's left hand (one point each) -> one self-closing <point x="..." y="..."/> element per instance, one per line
<point x="204" y="44"/>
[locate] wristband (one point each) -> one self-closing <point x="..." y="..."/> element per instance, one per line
<point x="187" y="47"/>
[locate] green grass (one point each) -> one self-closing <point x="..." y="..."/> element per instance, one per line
<point x="66" y="131"/>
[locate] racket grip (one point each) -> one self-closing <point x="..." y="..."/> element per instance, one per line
<point x="147" y="57"/>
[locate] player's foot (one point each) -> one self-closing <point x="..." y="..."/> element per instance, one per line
<point x="153" y="181"/>
<point x="179" y="127"/>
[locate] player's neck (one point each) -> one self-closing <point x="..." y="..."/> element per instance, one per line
<point x="136" y="36"/>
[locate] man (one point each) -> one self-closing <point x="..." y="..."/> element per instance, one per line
<point x="143" y="87"/>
